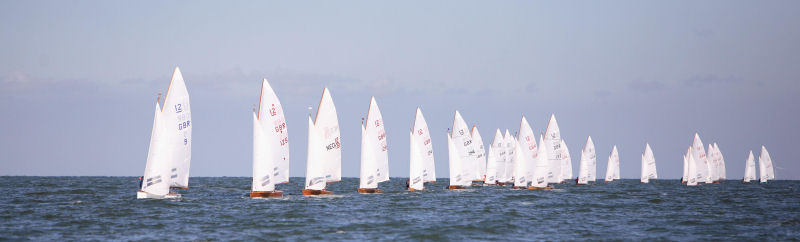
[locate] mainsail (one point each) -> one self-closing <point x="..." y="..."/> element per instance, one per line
<point x="721" y="172"/>
<point x="177" y="118"/>
<point x="699" y="153"/>
<point x="540" y="173"/>
<point x="588" y="168"/>
<point x="566" y="162"/>
<point x="694" y="176"/>
<point x="510" y="148"/>
<point x="479" y="155"/>
<point x="526" y="155"/>
<point x="765" y="165"/>
<point x="612" y="169"/>
<point x="374" y="150"/>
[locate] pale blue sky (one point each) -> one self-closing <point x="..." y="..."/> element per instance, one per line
<point x="78" y="78"/>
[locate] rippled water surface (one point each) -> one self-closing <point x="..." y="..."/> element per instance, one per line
<point x="102" y="208"/>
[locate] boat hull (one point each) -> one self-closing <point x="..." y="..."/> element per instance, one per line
<point x="369" y="190"/>
<point x="540" y="188"/>
<point x="184" y="188"/>
<point x="451" y="187"/>
<point x="266" y="194"/>
<point x="309" y="192"/>
<point x="145" y="195"/>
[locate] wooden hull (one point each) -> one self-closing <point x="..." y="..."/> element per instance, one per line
<point x="412" y="189"/>
<point x="184" y="188"/>
<point x="316" y="192"/>
<point x="369" y="190"/>
<point x="540" y="188"/>
<point x="456" y="187"/>
<point x="519" y="188"/>
<point x="716" y="182"/>
<point x="266" y="194"/>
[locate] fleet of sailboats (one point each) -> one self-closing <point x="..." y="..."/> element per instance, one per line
<point x="511" y="159"/>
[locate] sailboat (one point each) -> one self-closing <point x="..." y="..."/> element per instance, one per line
<point x="721" y="172"/>
<point x="765" y="166"/>
<point x="540" y="180"/>
<point x="479" y="155"/>
<point x="525" y="154"/>
<point x="422" y="168"/>
<point x="588" y="168"/>
<point x="612" y="169"/>
<point x="699" y="154"/>
<point x="711" y="155"/>
<point x="495" y="161"/>
<point x="459" y="145"/>
<point x="691" y="169"/>
<point x="566" y="163"/>
<point x="510" y="149"/>
<point x="685" y="177"/>
<point x="270" y="145"/>
<point x="552" y="144"/>
<point x="324" y="162"/>
<point x="170" y="148"/>
<point x="749" y="168"/>
<point x="648" y="165"/>
<point x="374" y="151"/>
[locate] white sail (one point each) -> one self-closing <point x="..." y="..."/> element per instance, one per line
<point x="749" y="168"/>
<point x="508" y="171"/>
<point x="315" y="163"/>
<point x="700" y="157"/>
<point x="156" y="178"/>
<point x="374" y="149"/>
<point x="526" y="155"/>
<point x="612" y="169"/>
<point x="327" y="124"/>
<point x="552" y="143"/>
<point x="422" y="164"/>
<point x="263" y="164"/>
<point x="479" y="155"/>
<point x="588" y="168"/>
<point x="721" y="172"/>
<point x="691" y="168"/>
<point x="766" y="170"/>
<point x="648" y="165"/>
<point x="685" y="177"/>
<point x="496" y="158"/>
<point x="566" y="162"/>
<point x="177" y="118"/>
<point x="273" y="123"/>
<point x="459" y="151"/>
<point x="711" y="155"/>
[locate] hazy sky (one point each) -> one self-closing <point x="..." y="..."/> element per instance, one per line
<point x="78" y="79"/>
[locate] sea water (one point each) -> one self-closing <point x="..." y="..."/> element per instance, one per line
<point x="218" y="208"/>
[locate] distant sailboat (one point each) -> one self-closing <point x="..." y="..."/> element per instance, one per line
<point x="421" y="158"/>
<point x="749" y="168"/>
<point x="324" y="162"/>
<point x="691" y="169"/>
<point x="700" y="157"/>
<point x="510" y="149"/>
<point x="765" y="166"/>
<point x="525" y="155"/>
<point x="495" y="161"/>
<point x="459" y="144"/>
<point x="711" y="155"/>
<point x="566" y="162"/>
<point x="721" y="172"/>
<point x="648" y="165"/>
<point x="479" y="155"/>
<point x="170" y="148"/>
<point x="540" y="173"/>
<point x="552" y="144"/>
<point x="685" y="177"/>
<point x="588" y="168"/>
<point x="270" y="145"/>
<point x="374" y="151"/>
<point x="612" y="169"/>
